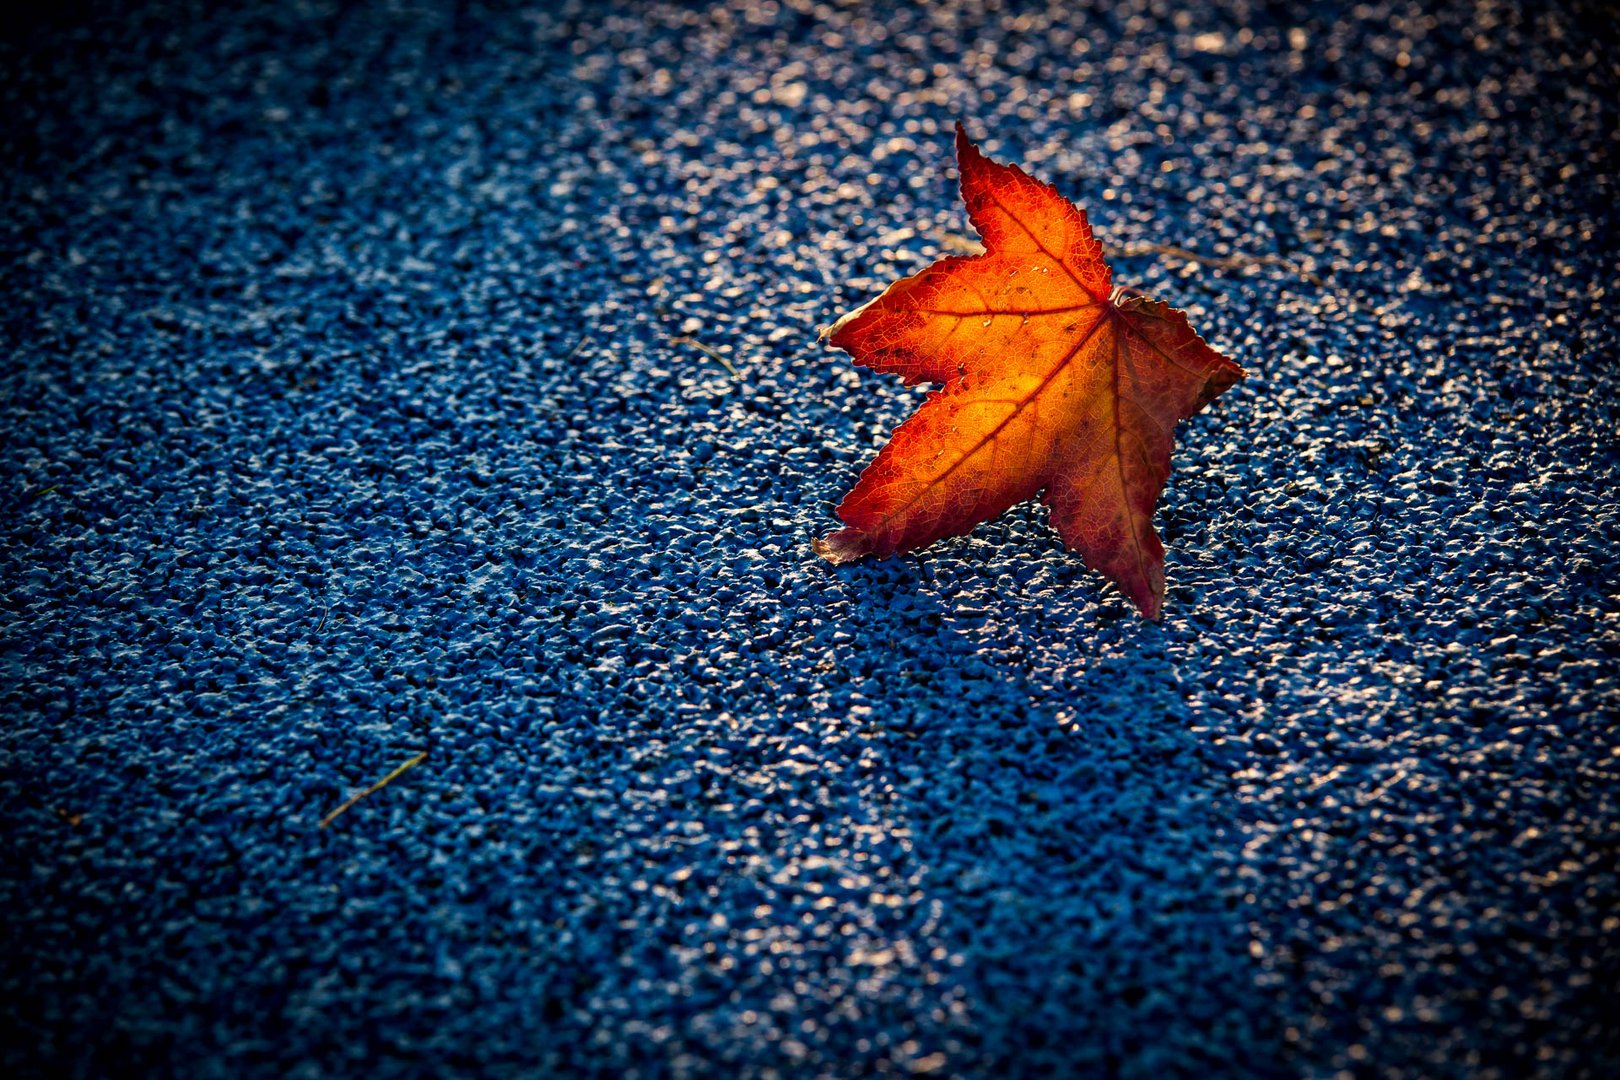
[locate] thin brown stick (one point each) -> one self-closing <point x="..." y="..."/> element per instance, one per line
<point x="1221" y="262"/>
<point x="374" y="788"/>
<point x="1378" y="792"/>
<point x="706" y="351"/>
<point x="1225" y="262"/>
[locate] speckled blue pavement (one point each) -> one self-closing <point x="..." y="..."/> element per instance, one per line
<point x="382" y="380"/>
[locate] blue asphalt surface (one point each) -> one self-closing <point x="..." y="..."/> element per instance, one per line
<point x="353" y="408"/>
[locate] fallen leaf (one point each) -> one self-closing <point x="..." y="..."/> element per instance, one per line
<point x="1054" y="381"/>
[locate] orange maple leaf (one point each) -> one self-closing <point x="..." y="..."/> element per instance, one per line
<point x="1054" y="380"/>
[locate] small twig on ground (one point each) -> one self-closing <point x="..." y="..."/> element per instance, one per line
<point x="374" y="788"/>
<point x="1378" y="792"/>
<point x="706" y="351"/>
<point x="1221" y="262"/>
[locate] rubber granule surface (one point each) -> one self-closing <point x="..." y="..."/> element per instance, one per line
<point x="386" y="379"/>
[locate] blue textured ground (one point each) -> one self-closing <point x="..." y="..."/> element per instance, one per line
<point x="347" y="415"/>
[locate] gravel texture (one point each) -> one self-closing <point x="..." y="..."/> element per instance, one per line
<point x="366" y="393"/>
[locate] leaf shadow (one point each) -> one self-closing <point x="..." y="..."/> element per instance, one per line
<point x="1068" y="835"/>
